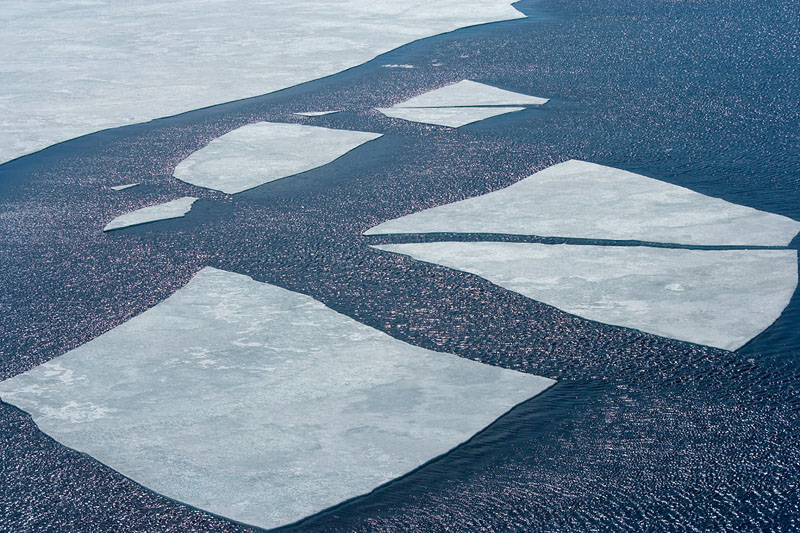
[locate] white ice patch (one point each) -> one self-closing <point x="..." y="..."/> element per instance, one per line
<point x="123" y="187"/>
<point x="395" y="65"/>
<point x="459" y="104"/>
<point x="259" y="153"/>
<point x="720" y="298"/>
<point x="261" y="404"/>
<point x="453" y="117"/>
<point x="72" y="68"/>
<point x="584" y="200"/>
<point x="468" y="93"/>
<point x="174" y="209"/>
<point x="316" y="113"/>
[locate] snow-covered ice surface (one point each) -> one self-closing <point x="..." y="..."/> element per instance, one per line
<point x="173" y="209"/>
<point x="123" y="187"/>
<point x="453" y="117"/>
<point x="585" y="200"/>
<point x="265" y="151"/>
<point x="316" y="113"/>
<point x="719" y="298"/>
<point x="72" y="68"/>
<point x="459" y="104"/>
<point x="468" y="93"/>
<point x="258" y="403"/>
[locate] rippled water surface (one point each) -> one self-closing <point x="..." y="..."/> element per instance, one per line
<point x="641" y="432"/>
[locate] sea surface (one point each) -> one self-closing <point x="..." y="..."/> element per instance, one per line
<point x="641" y="433"/>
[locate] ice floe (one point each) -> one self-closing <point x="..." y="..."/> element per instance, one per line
<point x="316" y="113"/>
<point x="468" y="93"/>
<point x="174" y="209"/>
<point x="585" y="200"/>
<point x="720" y="298"/>
<point x="452" y="117"/>
<point x="459" y="104"/>
<point x="123" y="187"/>
<point x="266" y="151"/>
<point x="261" y="404"/>
<point x="72" y="68"/>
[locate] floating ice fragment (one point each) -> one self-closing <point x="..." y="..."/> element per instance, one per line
<point x="720" y="298"/>
<point x="261" y="404"/>
<point x="62" y="67"/>
<point x="174" y="209"/>
<point x="316" y="113"/>
<point x="584" y="200"/>
<point x="460" y="103"/>
<point x="259" y="153"/>
<point x="123" y="187"/>
<point x="468" y="93"/>
<point x="393" y="65"/>
<point x="453" y="117"/>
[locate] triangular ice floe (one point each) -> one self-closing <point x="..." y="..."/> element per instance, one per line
<point x="266" y="151"/>
<point x="174" y="209"/>
<point x="468" y="93"/>
<point x="453" y="117"/>
<point x="720" y="298"/>
<point x="261" y="404"/>
<point x="584" y="200"/>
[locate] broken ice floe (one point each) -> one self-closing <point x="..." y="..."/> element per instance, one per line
<point x="259" y="153"/>
<point x="584" y="200"/>
<point x="460" y="103"/>
<point x="123" y="187"/>
<point x="720" y="298"/>
<point x="258" y="403"/>
<point x="316" y="113"/>
<point x="174" y="209"/>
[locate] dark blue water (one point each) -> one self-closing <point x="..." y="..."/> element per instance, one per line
<point x="641" y="433"/>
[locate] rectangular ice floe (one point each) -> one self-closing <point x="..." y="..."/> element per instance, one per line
<point x="459" y="104"/>
<point x="585" y="200"/>
<point x="174" y="209"/>
<point x="261" y="404"/>
<point x="266" y="151"/>
<point x="453" y="117"/>
<point x="720" y="298"/>
<point x="72" y="68"/>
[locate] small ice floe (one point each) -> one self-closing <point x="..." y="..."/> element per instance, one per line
<point x="123" y="187"/>
<point x="174" y="209"/>
<point x="393" y="65"/>
<point x="460" y="103"/>
<point x="261" y="404"/>
<point x="266" y="151"/>
<point x="720" y="298"/>
<point x="577" y="199"/>
<point x="316" y="113"/>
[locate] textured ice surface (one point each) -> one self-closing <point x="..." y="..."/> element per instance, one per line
<point x="720" y="298"/>
<point x="123" y="187"/>
<point x="453" y="117"/>
<point x="470" y="93"/>
<point x="315" y="113"/>
<point x="258" y="153"/>
<point x="174" y="209"/>
<point x="584" y="200"/>
<point x="258" y="403"/>
<point x="72" y="68"/>
<point x="460" y="103"/>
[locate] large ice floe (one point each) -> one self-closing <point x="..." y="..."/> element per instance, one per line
<point x="265" y="151"/>
<point x="584" y="200"/>
<point x="258" y="403"/>
<point x="153" y="213"/>
<point x="720" y="298"/>
<point x="72" y="68"/>
<point x="460" y="103"/>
